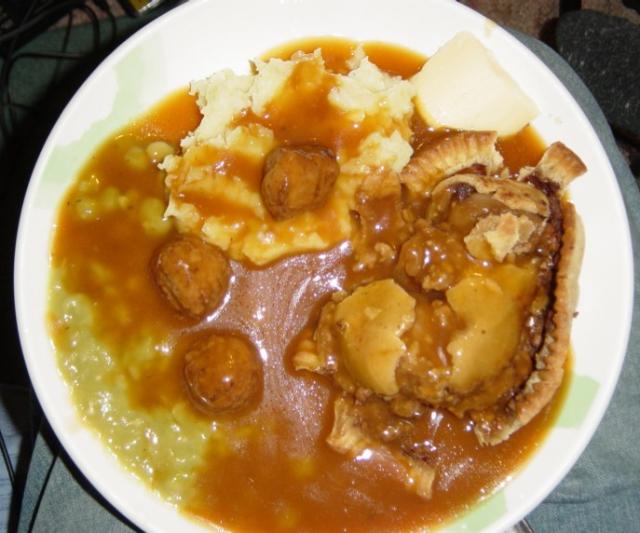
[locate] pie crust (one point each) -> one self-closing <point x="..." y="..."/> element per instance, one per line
<point x="560" y="165"/>
<point x="546" y="378"/>
<point x="515" y="195"/>
<point x="348" y="438"/>
<point x="514" y="213"/>
<point x="453" y="153"/>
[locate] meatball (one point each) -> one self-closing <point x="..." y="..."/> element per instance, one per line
<point x="192" y="274"/>
<point x="223" y="373"/>
<point x="297" y="179"/>
<point x="432" y="258"/>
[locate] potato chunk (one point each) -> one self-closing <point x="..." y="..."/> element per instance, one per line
<point x="371" y="322"/>
<point x="431" y="258"/>
<point x="297" y="179"/>
<point x="491" y="333"/>
<point x="463" y="87"/>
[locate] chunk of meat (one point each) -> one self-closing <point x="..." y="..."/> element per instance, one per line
<point x="192" y="274"/>
<point x="223" y="373"/>
<point x="432" y="258"/>
<point x="318" y="354"/>
<point x="381" y="226"/>
<point x="297" y="179"/>
<point x="425" y="373"/>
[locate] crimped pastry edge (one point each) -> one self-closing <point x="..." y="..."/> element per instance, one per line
<point x="547" y="376"/>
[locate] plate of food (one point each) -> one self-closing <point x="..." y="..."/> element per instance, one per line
<point x="323" y="266"/>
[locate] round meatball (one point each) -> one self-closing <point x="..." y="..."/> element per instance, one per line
<point x="297" y="179"/>
<point x="192" y="274"/>
<point x="223" y="373"/>
<point x="432" y="258"/>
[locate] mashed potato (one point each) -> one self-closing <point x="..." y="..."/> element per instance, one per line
<point x="214" y="186"/>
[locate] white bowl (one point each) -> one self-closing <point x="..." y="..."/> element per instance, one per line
<point x="203" y="36"/>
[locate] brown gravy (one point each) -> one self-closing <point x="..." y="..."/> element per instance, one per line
<point x="278" y="474"/>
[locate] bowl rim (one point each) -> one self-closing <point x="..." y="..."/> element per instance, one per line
<point x="24" y="319"/>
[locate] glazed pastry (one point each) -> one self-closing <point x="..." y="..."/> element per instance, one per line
<point x="450" y="155"/>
